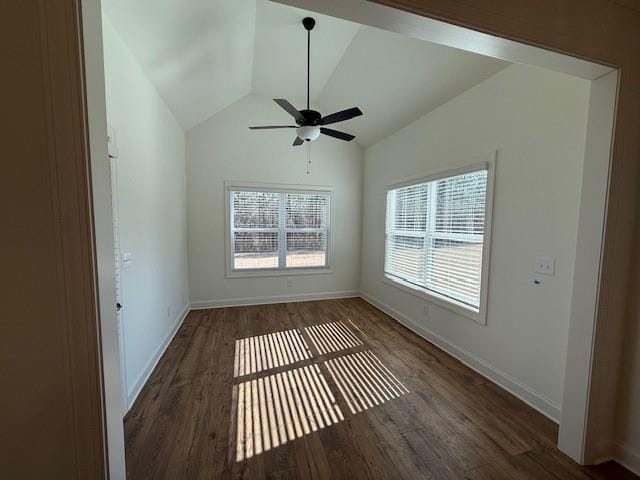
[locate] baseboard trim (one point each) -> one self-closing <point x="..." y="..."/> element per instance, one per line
<point x="532" y="398"/>
<point x="155" y="358"/>
<point x="627" y="457"/>
<point x="300" y="297"/>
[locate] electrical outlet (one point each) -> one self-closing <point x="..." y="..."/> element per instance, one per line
<point x="289" y="283"/>
<point x="545" y="265"/>
<point x="425" y="310"/>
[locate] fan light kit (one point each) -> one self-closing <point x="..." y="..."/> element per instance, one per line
<point x="311" y="123"/>
<point x="308" y="133"/>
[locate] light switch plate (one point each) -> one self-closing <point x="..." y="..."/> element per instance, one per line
<point x="545" y="265"/>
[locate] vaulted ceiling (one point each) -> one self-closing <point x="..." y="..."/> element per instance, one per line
<point x="204" y="55"/>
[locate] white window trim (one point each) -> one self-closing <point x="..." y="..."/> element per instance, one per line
<point x="487" y="161"/>
<point x="230" y="272"/>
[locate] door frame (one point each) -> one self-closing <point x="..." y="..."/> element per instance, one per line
<point x="113" y="163"/>
<point x="98" y="170"/>
<point x="605" y="32"/>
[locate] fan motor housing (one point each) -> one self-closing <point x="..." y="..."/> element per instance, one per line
<point x="311" y="117"/>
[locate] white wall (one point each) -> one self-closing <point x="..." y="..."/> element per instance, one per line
<point x="536" y="120"/>
<point x="152" y="210"/>
<point x="223" y="149"/>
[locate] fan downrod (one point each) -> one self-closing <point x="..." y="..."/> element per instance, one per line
<point x="310" y="124"/>
<point x="308" y="23"/>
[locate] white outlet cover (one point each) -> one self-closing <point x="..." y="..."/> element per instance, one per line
<point x="545" y="265"/>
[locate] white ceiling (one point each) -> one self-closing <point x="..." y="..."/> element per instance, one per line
<point x="396" y="80"/>
<point x="280" y="55"/>
<point x="198" y="53"/>
<point x="203" y="55"/>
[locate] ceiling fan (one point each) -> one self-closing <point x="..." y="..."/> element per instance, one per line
<point x="310" y="123"/>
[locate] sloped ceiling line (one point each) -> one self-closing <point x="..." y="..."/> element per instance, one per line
<point x="281" y="51"/>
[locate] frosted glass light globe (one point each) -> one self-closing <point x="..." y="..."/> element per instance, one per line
<point x="308" y="133"/>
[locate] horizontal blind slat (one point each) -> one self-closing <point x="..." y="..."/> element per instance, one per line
<point x="435" y="235"/>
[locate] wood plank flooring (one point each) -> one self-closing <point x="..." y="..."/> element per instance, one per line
<point x="330" y="389"/>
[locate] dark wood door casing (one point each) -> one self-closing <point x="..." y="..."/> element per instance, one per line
<point x="51" y="402"/>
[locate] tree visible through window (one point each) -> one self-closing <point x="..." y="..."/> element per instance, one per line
<point x="279" y="229"/>
<point x="435" y="236"/>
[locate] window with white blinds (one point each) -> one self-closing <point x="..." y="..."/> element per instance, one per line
<point x="278" y="229"/>
<point x="435" y="234"/>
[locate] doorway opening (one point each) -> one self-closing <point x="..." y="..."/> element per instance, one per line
<point x="590" y="222"/>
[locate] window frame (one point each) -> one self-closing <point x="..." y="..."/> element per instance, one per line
<point x="231" y="272"/>
<point x="487" y="162"/>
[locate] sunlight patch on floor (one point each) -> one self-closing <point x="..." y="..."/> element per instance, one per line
<point x="278" y="408"/>
<point x="364" y="381"/>
<point x="273" y="408"/>
<point x="273" y="350"/>
<point x="332" y="337"/>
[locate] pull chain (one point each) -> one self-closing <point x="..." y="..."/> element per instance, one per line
<point x="308" y="157"/>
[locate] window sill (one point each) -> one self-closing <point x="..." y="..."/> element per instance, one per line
<point x="444" y="302"/>
<point x="248" y="273"/>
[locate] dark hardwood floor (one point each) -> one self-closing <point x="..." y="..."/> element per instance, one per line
<point x="330" y="389"/>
